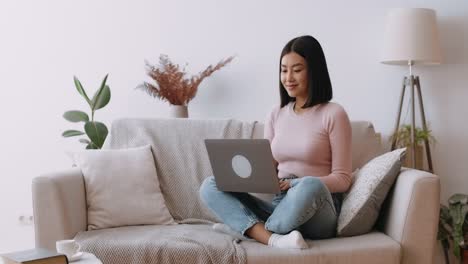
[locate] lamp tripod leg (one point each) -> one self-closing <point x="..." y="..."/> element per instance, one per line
<point x="413" y="124"/>
<point x="423" y="119"/>
<point x="402" y="96"/>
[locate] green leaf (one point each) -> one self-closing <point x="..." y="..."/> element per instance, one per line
<point x="98" y="93"/>
<point x="97" y="132"/>
<point x="91" y="146"/>
<point x="101" y="98"/>
<point x="403" y="135"/>
<point x="76" y="116"/>
<point x="458" y="198"/>
<point x="444" y="213"/>
<point x="72" y="133"/>
<point x="81" y="90"/>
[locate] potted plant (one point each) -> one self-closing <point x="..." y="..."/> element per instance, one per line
<point x="403" y="137"/>
<point x="96" y="131"/>
<point x="453" y="227"/>
<point x="172" y="85"/>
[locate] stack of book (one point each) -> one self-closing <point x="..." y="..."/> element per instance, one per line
<point x="34" y="256"/>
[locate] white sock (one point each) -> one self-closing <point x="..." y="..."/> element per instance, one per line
<point x="225" y="229"/>
<point x="291" y="240"/>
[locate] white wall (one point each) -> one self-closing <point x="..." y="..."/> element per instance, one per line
<point x="44" y="43"/>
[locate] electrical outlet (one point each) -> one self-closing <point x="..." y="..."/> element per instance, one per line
<point x="25" y="220"/>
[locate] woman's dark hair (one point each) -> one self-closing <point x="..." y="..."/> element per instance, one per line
<point x="320" y="88"/>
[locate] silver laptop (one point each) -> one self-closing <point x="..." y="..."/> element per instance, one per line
<point x="243" y="165"/>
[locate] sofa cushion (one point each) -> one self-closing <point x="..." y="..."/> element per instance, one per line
<point x="361" y="204"/>
<point x="162" y="244"/>
<point x="180" y="155"/>
<point x="373" y="247"/>
<point x="365" y="143"/>
<point x="122" y="188"/>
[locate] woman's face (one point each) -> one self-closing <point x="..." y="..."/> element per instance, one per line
<point x="294" y="75"/>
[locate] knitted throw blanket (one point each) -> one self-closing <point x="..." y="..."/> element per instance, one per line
<point x="182" y="164"/>
<point x="184" y="243"/>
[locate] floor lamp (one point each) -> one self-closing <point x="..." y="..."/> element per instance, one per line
<point x="411" y="38"/>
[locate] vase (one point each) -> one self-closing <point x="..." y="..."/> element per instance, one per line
<point x="178" y="111"/>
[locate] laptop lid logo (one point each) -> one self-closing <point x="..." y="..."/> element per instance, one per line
<point x="241" y="166"/>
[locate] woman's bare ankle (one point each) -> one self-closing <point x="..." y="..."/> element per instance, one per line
<point x="259" y="233"/>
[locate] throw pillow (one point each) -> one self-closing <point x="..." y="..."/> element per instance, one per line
<point x="361" y="204"/>
<point x="122" y="188"/>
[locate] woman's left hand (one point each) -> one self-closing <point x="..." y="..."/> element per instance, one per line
<point x="284" y="185"/>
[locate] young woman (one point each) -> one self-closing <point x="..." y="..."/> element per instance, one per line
<point x="311" y="143"/>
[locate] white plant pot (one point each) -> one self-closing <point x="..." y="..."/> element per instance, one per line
<point x="178" y="111"/>
<point x="419" y="157"/>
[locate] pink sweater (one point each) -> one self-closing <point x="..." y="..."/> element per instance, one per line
<point x="316" y="142"/>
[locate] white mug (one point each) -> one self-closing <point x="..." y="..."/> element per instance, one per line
<point x="68" y="247"/>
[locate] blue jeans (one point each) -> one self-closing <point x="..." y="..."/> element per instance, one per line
<point x="307" y="207"/>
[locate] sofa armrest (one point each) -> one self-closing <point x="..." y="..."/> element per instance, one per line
<point x="412" y="215"/>
<point x="59" y="206"/>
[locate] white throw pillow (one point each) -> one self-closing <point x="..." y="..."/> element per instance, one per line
<point x="122" y="188"/>
<point x="361" y="204"/>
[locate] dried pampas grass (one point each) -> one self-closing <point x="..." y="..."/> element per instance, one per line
<point x="171" y="85"/>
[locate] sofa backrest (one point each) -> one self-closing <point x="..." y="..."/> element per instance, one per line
<point x="181" y="159"/>
<point x="366" y="143"/>
<point x="180" y="155"/>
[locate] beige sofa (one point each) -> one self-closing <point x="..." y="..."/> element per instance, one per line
<point x="406" y="231"/>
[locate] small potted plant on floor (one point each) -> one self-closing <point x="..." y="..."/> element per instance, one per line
<point x="453" y="227"/>
<point x="404" y="140"/>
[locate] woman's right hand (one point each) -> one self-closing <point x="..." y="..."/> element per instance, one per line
<point x="284" y="184"/>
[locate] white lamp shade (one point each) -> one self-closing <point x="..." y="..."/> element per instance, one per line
<point x="411" y="35"/>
